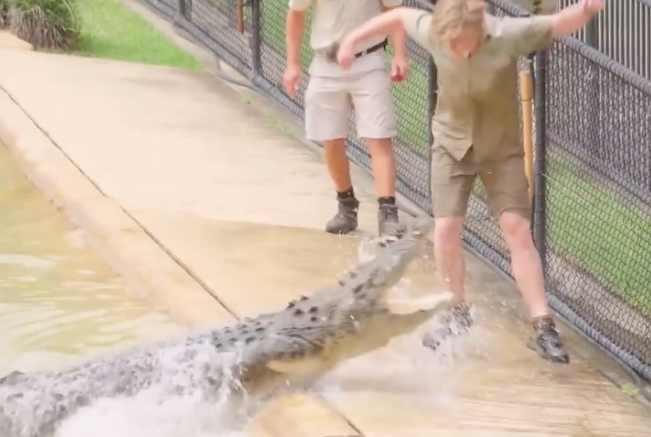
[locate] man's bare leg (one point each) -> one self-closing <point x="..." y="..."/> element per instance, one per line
<point x="384" y="176"/>
<point x="338" y="165"/>
<point x="345" y="220"/>
<point x="525" y="263"/>
<point x="528" y="274"/>
<point x="448" y="254"/>
<point x="450" y="265"/>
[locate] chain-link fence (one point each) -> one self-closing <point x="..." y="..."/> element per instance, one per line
<point x="592" y="161"/>
<point x="623" y="32"/>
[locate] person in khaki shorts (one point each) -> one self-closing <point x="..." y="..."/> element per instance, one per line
<point x="476" y="132"/>
<point x="332" y="92"/>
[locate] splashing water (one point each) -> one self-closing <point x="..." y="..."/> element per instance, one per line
<point x="150" y="415"/>
<point x="432" y="376"/>
<point x="159" y="412"/>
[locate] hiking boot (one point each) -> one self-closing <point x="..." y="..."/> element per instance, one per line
<point x="457" y="321"/>
<point x="546" y="341"/>
<point x="345" y="220"/>
<point x="388" y="223"/>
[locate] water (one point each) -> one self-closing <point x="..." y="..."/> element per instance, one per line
<point x="61" y="304"/>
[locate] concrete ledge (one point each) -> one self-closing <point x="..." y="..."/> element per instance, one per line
<point x="151" y="272"/>
<point x="148" y="269"/>
<point x="10" y="41"/>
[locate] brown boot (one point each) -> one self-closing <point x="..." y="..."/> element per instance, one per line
<point x="345" y="221"/>
<point x="546" y="341"/>
<point x="388" y="223"/>
<point x="457" y="321"/>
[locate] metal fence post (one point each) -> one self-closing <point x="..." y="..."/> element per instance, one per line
<point x="181" y="8"/>
<point x="540" y="157"/>
<point x="256" y="37"/>
<point x="432" y="98"/>
<point x="592" y="39"/>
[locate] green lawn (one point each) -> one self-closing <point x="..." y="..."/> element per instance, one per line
<point x="604" y="235"/>
<point x="111" y="30"/>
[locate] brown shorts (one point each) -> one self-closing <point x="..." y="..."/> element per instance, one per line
<point x="504" y="180"/>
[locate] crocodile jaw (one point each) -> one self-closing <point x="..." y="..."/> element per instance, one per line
<point x="371" y="333"/>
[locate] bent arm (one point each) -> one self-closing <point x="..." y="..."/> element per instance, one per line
<point x="393" y="23"/>
<point x="294" y="28"/>
<point x="398" y="38"/>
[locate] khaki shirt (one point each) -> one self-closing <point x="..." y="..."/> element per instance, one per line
<point x="332" y="21"/>
<point x="478" y="95"/>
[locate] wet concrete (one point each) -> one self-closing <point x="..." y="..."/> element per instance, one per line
<point x="241" y="205"/>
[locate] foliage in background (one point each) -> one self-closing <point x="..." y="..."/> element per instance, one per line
<point x="4" y="14"/>
<point x="46" y="24"/>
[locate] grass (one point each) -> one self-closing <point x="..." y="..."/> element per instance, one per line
<point x="586" y="222"/>
<point x="110" y="30"/>
<point x="599" y="230"/>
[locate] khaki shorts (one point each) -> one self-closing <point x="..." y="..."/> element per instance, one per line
<point x="329" y="100"/>
<point x="504" y="180"/>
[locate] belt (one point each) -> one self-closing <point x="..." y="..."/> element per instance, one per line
<point x="331" y="53"/>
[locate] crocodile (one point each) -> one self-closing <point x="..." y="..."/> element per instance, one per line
<point x="262" y="357"/>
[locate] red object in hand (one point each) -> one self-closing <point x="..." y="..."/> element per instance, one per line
<point x="397" y="77"/>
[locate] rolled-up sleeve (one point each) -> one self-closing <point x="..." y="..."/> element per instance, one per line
<point x="300" y="5"/>
<point x="526" y="35"/>
<point x="390" y="3"/>
<point x="418" y="26"/>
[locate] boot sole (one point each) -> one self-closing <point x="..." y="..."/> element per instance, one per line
<point x="531" y="344"/>
<point x="340" y="231"/>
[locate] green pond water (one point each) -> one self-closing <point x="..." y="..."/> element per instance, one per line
<point x="59" y="302"/>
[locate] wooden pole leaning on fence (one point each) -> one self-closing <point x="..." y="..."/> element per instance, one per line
<point x="240" y="16"/>
<point x="526" y="97"/>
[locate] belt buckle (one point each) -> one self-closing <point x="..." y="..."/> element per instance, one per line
<point x="331" y="52"/>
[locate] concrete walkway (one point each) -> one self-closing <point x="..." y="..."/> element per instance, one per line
<point x="241" y="206"/>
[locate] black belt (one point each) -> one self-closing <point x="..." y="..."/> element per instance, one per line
<point x="331" y="54"/>
<point x="375" y="48"/>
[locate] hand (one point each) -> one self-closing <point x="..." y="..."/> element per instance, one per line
<point x="592" y="6"/>
<point x="399" y="68"/>
<point x="291" y="78"/>
<point x="346" y="55"/>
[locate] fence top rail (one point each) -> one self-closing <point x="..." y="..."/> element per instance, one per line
<point x="607" y="63"/>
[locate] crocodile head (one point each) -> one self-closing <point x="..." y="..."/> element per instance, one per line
<point x="355" y="317"/>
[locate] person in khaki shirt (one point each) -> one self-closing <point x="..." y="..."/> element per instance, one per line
<point x="332" y="91"/>
<point x="476" y="133"/>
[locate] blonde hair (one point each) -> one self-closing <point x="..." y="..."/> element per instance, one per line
<point x="454" y="17"/>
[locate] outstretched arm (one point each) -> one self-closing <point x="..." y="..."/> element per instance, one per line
<point x="574" y="17"/>
<point x="529" y="34"/>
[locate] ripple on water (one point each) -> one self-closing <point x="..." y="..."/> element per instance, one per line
<point x="61" y="304"/>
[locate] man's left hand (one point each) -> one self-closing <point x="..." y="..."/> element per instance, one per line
<point x="399" y="68"/>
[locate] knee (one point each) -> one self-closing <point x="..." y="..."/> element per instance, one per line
<point x="380" y="147"/>
<point x="516" y="230"/>
<point x="447" y="232"/>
